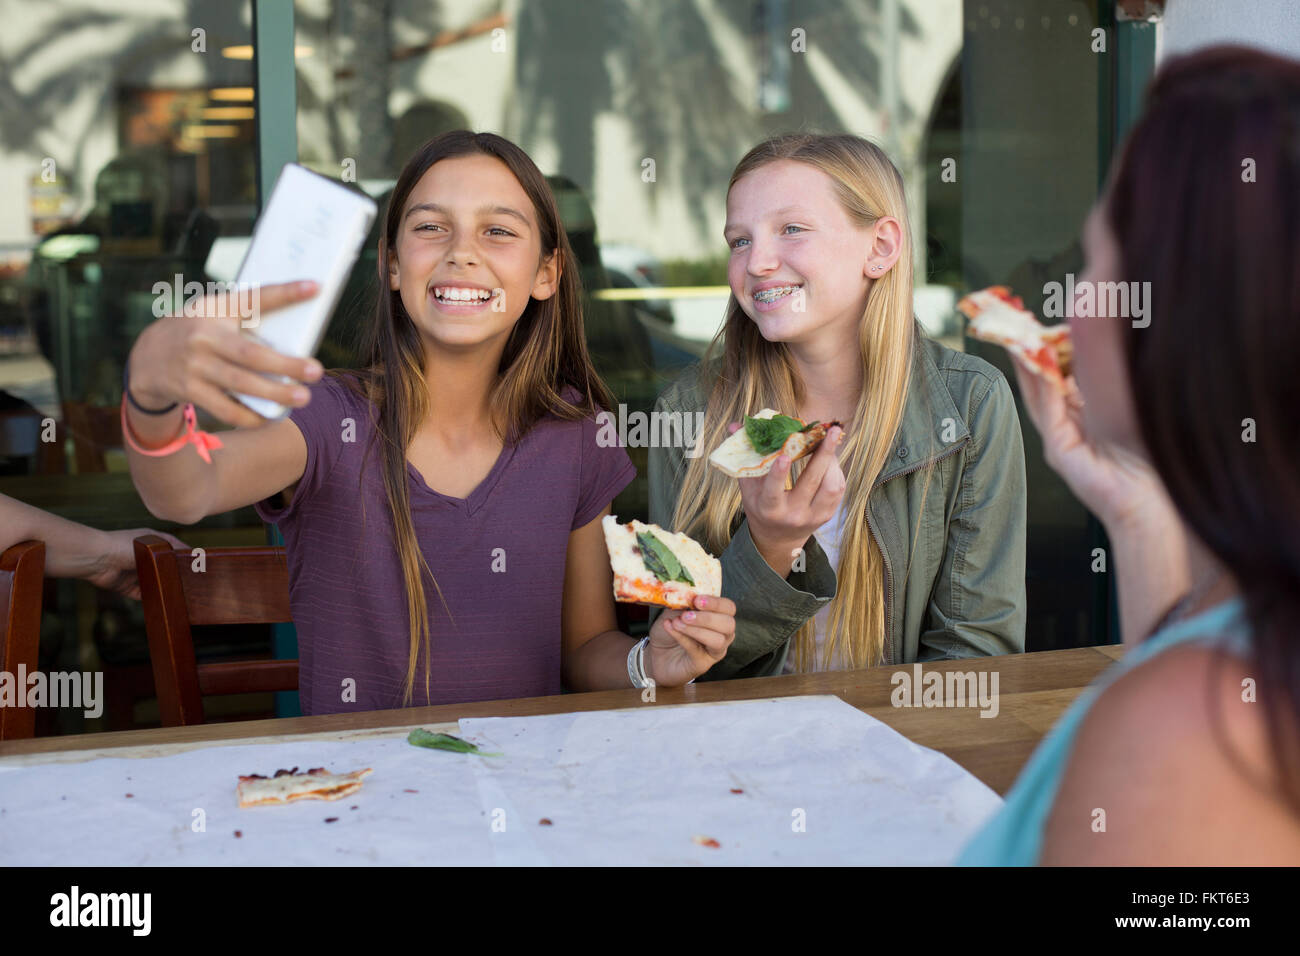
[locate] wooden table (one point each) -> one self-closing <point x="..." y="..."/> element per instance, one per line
<point x="1034" y="689"/>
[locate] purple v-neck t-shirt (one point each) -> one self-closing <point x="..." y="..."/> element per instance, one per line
<point x="498" y="557"/>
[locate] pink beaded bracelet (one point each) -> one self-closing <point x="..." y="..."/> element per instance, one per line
<point x="204" y="442"/>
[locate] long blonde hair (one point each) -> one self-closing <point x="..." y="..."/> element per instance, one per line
<point x="545" y="353"/>
<point x="755" y="373"/>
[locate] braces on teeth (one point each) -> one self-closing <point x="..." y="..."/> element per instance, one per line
<point x="463" y="295"/>
<point x="771" y="295"/>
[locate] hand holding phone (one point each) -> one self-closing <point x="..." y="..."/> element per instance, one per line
<point x="312" y="229"/>
<point x="256" y="341"/>
<point x="200" y="355"/>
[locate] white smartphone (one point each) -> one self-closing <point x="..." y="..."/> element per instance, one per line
<point x="312" y="228"/>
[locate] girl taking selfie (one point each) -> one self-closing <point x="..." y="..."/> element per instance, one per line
<point x="440" y="506"/>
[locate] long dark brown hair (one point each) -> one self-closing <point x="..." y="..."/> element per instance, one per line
<point x="1205" y="205"/>
<point x="545" y="353"/>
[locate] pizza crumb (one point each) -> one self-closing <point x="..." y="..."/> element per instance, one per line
<point x="408" y="790"/>
<point x="331" y="819"/>
<point x="238" y="834"/>
<point x="706" y="841"/>
<point x="351" y="808"/>
<point x="544" y="822"/>
<point x="130" y="794"/>
<point x="736" y="790"/>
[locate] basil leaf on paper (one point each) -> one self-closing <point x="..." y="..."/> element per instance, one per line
<point x="661" y="560"/>
<point x="769" y="434"/>
<point x="427" y="738"/>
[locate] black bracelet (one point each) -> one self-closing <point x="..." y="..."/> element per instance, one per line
<point x="126" y="389"/>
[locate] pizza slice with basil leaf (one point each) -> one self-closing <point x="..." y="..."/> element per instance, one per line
<point x="751" y="451"/>
<point x="654" y="566"/>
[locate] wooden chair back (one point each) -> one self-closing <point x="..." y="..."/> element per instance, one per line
<point x="22" y="585"/>
<point x="180" y="590"/>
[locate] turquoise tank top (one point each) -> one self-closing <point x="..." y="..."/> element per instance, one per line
<point x="1014" y="836"/>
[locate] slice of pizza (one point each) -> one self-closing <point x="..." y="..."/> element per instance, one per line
<point x="999" y="317"/>
<point x="654" y="566"/>
<point x="289" y="785"/>
<point x="751" y="451"/>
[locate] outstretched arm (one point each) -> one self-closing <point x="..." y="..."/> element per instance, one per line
<point x="197" y="359"/>
<point x="104" y="558"/>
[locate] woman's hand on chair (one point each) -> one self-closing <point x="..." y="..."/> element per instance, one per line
<point x="112" y="560"/>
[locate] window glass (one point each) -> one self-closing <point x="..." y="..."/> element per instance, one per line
<point x="639" y="111"/>
<point x="128" y="148"/>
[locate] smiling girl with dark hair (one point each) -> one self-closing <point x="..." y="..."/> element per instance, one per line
<point x="441" y="507"/>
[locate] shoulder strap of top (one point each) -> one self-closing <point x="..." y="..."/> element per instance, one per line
<point x="1224" y="622"/>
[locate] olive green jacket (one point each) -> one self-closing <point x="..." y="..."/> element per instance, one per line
<point x="965" y="593"/>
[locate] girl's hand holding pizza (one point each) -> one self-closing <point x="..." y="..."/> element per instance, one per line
<point x="685" y="644"/>
<point x="781" y="520"/>
<point x="1148" y="539"/>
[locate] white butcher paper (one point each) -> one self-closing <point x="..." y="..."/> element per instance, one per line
<point x="79" y="814"/>
<point x="822" y="782"/>
<point x="636" y="786"/>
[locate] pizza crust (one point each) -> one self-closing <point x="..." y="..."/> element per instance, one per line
<point x="1058" y="337"/>
<point x="287" y="786"/>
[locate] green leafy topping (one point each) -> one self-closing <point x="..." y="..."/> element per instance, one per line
<point x="660" y="559"/>
<point x="427" y="738"/>
<point x="769" y="434"/>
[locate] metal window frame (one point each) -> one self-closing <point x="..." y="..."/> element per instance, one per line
<point x="1124" y="76"/>
<point x="276" y="94"/>
<point x="276" y="98"/>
